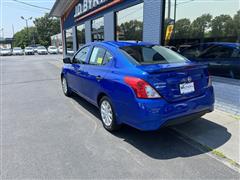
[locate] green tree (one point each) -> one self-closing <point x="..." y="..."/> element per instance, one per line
<point x="21" y="37"/>
<point x="182" y="28"/>
<point x="131" y="30"/>
<point x="222" y="26"/>
<point x="199" y="26"/>
<point x="46" y="27"/>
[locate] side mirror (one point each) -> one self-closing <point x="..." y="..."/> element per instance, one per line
<point x="67" y="60"/>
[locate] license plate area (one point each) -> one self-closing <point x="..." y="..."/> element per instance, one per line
<point x="186" y="88"/>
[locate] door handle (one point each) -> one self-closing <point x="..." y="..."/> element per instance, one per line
<point x="99" y="78"/>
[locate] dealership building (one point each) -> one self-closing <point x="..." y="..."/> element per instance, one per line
<point x="97" y="20"/>
<point x="167" y="22"/>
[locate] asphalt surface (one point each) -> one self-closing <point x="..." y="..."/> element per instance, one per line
<point x="46" y="135"/>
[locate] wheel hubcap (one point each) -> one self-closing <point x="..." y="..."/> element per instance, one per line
<point x="106" y="113"/>
<point x="64" y="85"/>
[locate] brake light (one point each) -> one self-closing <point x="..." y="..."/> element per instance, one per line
<point x="141" y="88"/>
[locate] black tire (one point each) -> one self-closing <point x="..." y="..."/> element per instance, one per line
<point x="113" y="126"/>
<point x="67" y="92"/>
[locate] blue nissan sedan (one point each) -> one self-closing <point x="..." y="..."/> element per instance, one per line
<point x="142" y="85"/>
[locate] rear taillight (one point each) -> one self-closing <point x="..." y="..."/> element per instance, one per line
<point x="141" y="88"/>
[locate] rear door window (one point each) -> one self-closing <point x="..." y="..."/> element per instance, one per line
<point x="97" y="56"/>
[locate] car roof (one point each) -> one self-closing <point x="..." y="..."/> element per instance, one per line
<point x="119" y="44"/>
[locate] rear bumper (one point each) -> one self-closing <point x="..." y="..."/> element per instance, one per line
<point x="42" y="53"/>
<point x="29" y="53"/>
<point x="149" y="115"/>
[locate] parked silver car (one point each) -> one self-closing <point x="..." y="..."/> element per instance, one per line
<point x="52" y="50"/>
<point x="29" y="51"/>
<point x="6" y="52"/>
<point x="17" y="51"/>
<point x="60" y="49"/>
<point x="41" y="50"/>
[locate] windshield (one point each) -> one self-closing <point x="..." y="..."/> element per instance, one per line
<point x="17" y="48"/>
<point x="152" y="54"/>
<point x="41" y="47"/>
<point x="29" y="48"/>
<point x="52" y="47"/>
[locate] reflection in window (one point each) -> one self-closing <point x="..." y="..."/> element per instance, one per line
<point x="69" y="40"/>
<point x="98" y="29"/>
<point x="192" y="22"/>
<point x="81" y="35"/>
<point x="199" y="29"/>
<point x="130" y="23"/>
<point x="81" y="56"/>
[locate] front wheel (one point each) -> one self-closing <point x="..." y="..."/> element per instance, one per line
<point x="108" y="115"/>
<point x="66" y="90"/>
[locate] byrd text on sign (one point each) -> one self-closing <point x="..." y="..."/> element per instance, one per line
<point x="87" y="5"/>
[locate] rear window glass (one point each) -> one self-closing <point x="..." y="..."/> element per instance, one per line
<point x="97" y="56"/>
<point x="28" y="48"/>
<point x="152" y="55"/>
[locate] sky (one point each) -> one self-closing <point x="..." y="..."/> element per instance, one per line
<point x="195" y="8"/>
<point x="11" y="11"/>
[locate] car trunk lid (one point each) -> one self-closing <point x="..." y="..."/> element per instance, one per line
<point x="176" y="82"/>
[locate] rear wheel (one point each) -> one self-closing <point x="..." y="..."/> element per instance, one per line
<point x="66" y="90"/>
<point x="108" y="115"/>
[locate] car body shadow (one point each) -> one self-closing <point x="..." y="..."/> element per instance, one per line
<point x="164" y="143"/>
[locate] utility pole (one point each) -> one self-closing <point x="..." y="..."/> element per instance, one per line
<point x="175" y="16"/>
<point x="2" y="29"/>
<point x="13" y="30"/>
<point x="27" y="19"/>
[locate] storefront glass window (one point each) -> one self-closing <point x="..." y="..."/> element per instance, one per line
<point x="197" y="27"/>
<point x="130" y="23"/>
<point x="69" y="40"/>
<point x="81" y="35"/>
<point x="98" y="29"/>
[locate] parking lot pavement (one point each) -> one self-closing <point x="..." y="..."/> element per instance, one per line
<point x="49" y="136"/>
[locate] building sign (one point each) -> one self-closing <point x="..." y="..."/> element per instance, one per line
<point x="169" y="31"/>
<point x="87" y="5"/>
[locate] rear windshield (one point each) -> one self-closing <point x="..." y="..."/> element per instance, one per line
<point x="152" y="55"/>
<point x="28" y="48"/>
<point x="41" y="47"/>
